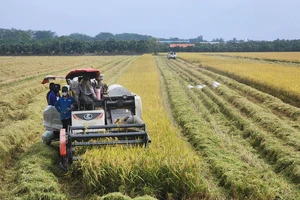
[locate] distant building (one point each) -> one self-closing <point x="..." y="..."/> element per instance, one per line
<point x="173" y="41"/>
<point x="181" y="45"/>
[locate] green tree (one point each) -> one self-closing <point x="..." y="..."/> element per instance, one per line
<point x="111" y="46"/>
<point x="154" y="45"/>
<point x="104" y="36"/>
<point x="44" y="35"/>
<point x="78" y="36"/>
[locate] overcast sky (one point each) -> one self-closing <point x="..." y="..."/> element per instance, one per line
<point x="242" y="19"/>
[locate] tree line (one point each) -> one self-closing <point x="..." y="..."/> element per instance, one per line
<point x="19" y="42"/>
<point x="62" y="46"/>
<point x="11" y="35"/>
<point x="249" y="46"/>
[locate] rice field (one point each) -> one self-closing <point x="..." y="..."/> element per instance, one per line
<point x="279" y="79"/>
<point x="227" y="142"/>
<point x="267" y="56"/>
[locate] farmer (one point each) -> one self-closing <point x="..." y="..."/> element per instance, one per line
<point x="64" y="105"/>
<point x="51" y="85"/>
<point x="103" y="87"/>
<point x="52" y="98"/>
<point x="54" y="94"/>
<point x="56" y="89"/>
<point x="86" y="94"/>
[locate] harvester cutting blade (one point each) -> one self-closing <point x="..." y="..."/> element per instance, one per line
<point x="114" y="134"/>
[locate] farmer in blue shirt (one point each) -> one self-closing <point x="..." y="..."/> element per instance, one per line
<point x="52" y="98"/>
<point x="64" y="105"/>
<point x="53" y="94"/>
<point x="51" y="86"/>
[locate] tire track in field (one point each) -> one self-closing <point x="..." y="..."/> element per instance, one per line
<point x="226" y="130"/>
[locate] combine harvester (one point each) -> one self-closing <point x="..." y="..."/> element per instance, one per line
<point x="115" y="118"/>
<point x="172" y="55"/>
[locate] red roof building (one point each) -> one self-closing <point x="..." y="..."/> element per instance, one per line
<point x="181" y="45"/>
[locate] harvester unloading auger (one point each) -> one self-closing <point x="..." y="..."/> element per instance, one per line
<point x="115" y="118"/>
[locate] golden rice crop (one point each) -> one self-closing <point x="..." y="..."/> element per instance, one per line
<point x="219" y="140"/>
<point x="21" y="112"/>
<point x="277" y="77"/>
<point x="14" y="69"/>
<point x="280" y="56"/>
<point x="23" y="95"/>
<point x="169" y="167"/>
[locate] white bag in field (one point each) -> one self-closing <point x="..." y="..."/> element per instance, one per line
<point x="215" y="84"/>
<point x="190" y="86"/>
<point x="200" y="86"/>
<point x="51" y="119"/>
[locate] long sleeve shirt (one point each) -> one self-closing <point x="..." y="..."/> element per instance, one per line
<point x="52" y="99"/>
<point x="63" y="106"/>
<point x="85" y="89"/>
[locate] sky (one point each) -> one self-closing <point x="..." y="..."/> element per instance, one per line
<point x="227" y="19"/>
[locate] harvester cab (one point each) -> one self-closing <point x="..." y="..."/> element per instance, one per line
<point x="115" y="118"/>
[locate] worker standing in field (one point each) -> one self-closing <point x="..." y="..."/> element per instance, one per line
<point x="56" y="89"/>
<point x="52" y="97"/>
<point x="64" y="106"/>
<point x="54" y="94"/>
<point x="51" y="86"/>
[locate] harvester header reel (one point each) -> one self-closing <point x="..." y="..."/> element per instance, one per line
<point x="97" y="135"/>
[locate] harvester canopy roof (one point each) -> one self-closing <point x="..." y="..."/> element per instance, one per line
<point x="52" y="77"/>
<point x="91" y="73"/>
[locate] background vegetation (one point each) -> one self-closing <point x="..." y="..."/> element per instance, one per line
<point x="20" y="42"/>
